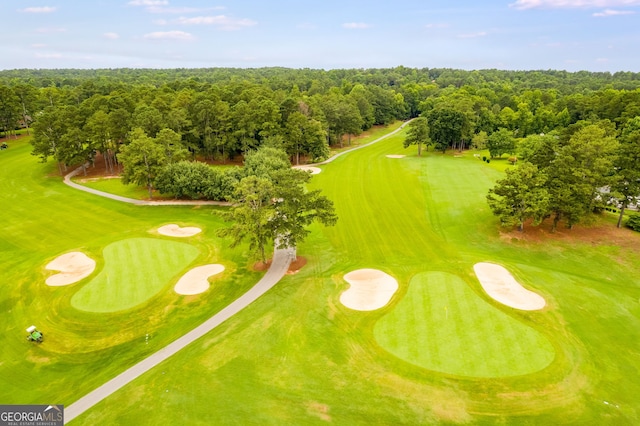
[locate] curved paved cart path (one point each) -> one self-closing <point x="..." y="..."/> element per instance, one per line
<point x="279" y="266"/>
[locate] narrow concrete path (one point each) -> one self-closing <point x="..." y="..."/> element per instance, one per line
<point x="279" y="266"/>
<point x="68" y="181"/>
<point x="340" y="154"/>
<point x="282" y="258"/>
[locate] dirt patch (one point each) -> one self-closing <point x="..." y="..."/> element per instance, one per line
<point x="600" y="233"/>
<point x="73" y="267"/>
<point x="501" y="286"/>
<point x="196" y="281"/>
<point x="174" y="230"/>
<point x="318" y="409"/>
<point x="296" y="265"/>
<point x="261" y="266"/>
<point x="370" y="289"/>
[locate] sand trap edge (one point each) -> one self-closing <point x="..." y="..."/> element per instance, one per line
<point x="310" y="169"/>
<point x="369" y="289"/>
<point x="72" y="267"/>
<point x="500" y="285"/>
<point x="196" y="281"/>
<point x="174" y="230"/>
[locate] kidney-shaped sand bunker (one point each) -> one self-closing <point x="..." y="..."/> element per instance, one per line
<point x="73" y="267"/>
<point x="174" y="230"/>
<point x="196" y="281"/>
<point x="500" y="285"/>
<point x="370" y="289"/>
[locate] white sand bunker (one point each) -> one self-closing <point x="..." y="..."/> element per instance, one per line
<point x="370" y="289"/>
<point x="174" y="230"/>
<point x="310" y="169"/>
<point x="73" y="267"/>
<point x="500" y="284"/>
<point x="196" y="280"/>
<point x="395" y="156"/>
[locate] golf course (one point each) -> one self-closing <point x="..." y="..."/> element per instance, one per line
<point x="436" y="348"/>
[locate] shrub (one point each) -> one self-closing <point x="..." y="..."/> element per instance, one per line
<point x="488" y="160"/>
<point x="634" y="222"/>
<point x="484" y="158"/>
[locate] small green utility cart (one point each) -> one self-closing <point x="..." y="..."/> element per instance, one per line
<point x="33" y="335"/>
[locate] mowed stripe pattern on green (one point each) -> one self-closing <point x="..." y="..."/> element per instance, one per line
<point x="442" y="325"/>
<point x="135" y="270"/>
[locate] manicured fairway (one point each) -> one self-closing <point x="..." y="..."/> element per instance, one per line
<point x="297" y="355"/>
<point x="43" y="218"/>
<point x="442" y="325"/>
<point x="135" y="270"/>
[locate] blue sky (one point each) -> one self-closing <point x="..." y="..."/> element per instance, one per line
<point x="594" y="35"/>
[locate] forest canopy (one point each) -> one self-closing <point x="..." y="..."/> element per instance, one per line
<point x="81" y="116"/>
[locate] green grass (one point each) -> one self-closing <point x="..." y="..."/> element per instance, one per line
<point x="115" y="186"/>
<point x="135" y="270"/>
<point x="297" y="356"/>
<point x="43" y="218"/>
<point x="303" y="358"/>
<point x="442" y="325"/>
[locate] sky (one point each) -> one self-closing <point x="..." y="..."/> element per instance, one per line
<point x="572" y="35"/>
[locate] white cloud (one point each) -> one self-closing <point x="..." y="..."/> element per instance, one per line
<point x="169" y="35"/>
<point x="160" y="21"/>
<point x="38" y="45"/>
<point x="571" y="4"/>
<point x="473" y="35"/>
<point x="148" y="3"/>
<point x="43" y="9"/>
<point x="611" y="12"/>
<point x="111" y="36"/>
<point x="355" y="25"/>
<point x="222" y="21"/>
<point x="602" y="60"/>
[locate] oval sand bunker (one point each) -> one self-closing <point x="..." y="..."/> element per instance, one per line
<point x="196" y="280"/>
<point x="174" y="230"/>
<point x="370" y="289"/>
<point x="73" y="267"/>
<point x="500" y="285"/>
<point x="310" y="169"/>
<point x="395" y="156"/>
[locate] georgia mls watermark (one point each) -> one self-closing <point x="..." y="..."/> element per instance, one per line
<point x="31" y="415"/>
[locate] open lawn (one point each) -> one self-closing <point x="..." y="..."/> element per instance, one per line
<point x="43" y="218"/>
<point x="297" y="355"/>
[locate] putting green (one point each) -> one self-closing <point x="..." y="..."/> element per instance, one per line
<point x="134" y="270"/>
<point x="442" y="325"/>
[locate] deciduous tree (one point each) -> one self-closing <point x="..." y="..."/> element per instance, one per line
<point x="521" y="195"/>
<point x="418" y="134"/>
<point x="142" y="160"/>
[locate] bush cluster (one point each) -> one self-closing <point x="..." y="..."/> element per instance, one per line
<point x="634" y="222"/>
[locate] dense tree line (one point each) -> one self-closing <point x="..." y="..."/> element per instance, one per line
<point x="222" y="113"/>
<point x="569" y="174"/>
<point x="161" y="118"/>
